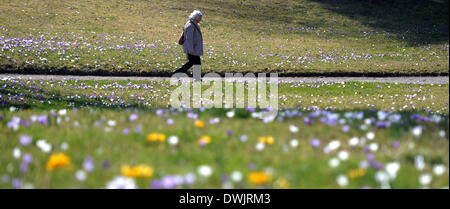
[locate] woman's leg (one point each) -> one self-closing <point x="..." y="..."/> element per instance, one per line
<point x="186" y="66"/>
<point x="195" y="60"/>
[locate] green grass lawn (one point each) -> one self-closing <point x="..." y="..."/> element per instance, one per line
<point x="326" y="135"/>
<point x="50" y="94"/>
<point x="109" y="139"/>
<point x="289" y="37"/>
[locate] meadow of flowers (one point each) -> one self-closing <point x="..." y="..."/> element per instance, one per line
<point x="292" y="94"/>
<point x="72" y="133"/>
<point x="139" y="38"/>
<point x="121" y="134"/>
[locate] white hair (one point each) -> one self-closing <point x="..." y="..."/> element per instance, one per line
<point x="195" y="15"/>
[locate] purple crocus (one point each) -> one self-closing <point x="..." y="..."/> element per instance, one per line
<point x="138" y="129"/>
<point x="315" y="143"/>
<point x="24" y="122"/>
<point x="189" y="179"/>
<point x="229" y="132"/>
<point x="42" y="119"/>
<point x="25" y="140"/>
<point x="395" y="144"/>
<point x="307" y="121"/>
<point x="366" y="148"/>
<point x="126" y="131"/>
<point x="133" y="117"/>
<point x="106" y="164"/>
<point x="345" y="128"/>
<point x="243" y="138"/>
<point x="88" y="164"/>
<point x="375" y="164"/>
<point x="224" y="178"/>
<point x="370" y="156"/>
<point x="381" y="124"/>
<point x="251" y="166"/>
<point x="23" y="167"/>
<point x="168" y="182"/>
<point x="16" y="183"/>
<point x="27" y="158"/>
<point x="15" y="121"/>
<point x="156" y="184"/>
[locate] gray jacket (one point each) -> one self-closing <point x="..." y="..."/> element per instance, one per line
<point x="193" y="41"/>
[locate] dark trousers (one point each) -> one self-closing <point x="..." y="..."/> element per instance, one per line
<point x="192" y="60"/>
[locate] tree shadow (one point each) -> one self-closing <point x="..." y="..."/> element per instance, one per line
<point x="415" y="22"/>
<point x="418" y="22"/>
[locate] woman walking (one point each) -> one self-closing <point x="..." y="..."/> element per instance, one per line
<point x="192" y="41"/>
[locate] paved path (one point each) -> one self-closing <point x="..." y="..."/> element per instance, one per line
<point x="421" y="80"/>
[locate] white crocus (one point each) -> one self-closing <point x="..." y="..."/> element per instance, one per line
<point x="173" y="140"/>
<point x="293" y="128"/>
<point x="333" y="162"/>
<point x="425" y="179"/>
<point x="204" y="170"/>
<point x="121" y="182"/>
<point x="342" y="180"/>
<point x="294" y="143"/>
<point x="343" y="155"/>
<point x="438" y="170"/>
<point x="392" y="169"/>
<point x="236" y="176"/>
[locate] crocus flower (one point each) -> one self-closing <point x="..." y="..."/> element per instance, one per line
<point x="133" y="117"/>
<point x="315" y="143"/>
<point x="17" y="183"/>
<point x="25" y="140"/>
<point x="88" y="164"/>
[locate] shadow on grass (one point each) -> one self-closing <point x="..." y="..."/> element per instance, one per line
<point x="415" y="22"/>
<point x="9" y="69"/>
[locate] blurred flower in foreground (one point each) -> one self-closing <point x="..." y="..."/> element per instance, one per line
<point x="88" y="164"/>
<point x="243" y="138"/>
<point x="417" y="131"/>
<point x="236" y="176"/>
<point x="293" y="143"/>
<point x="133" y="117"/>
<point x="199" y="124"/>
<point x="258" y="177"/>
<point x="25" y="140"/>
<point x="16" y="153"/>
<point x="425" y="179"/>
<point x="342" y="180"/>
<point x="438" y="170"/>
<point x="138" y="171"/>
<point x="43" y="145"/>
<point x="356" y="173"/>
<point x="293" y="128"/>
<point x="58" y="160"/>
<point x="156" y="137"/>
<point x="266" y="139"/>
<point x="121" y="182"/>
<point x="173" y="140"/>
<point x="282" y="183"/>
<point x="392" y="169"/>
<point x="204" y="170"/>
<point x="81" y="175"/>
<point x="315" y="142"/>
<point x="204" y="140"/>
